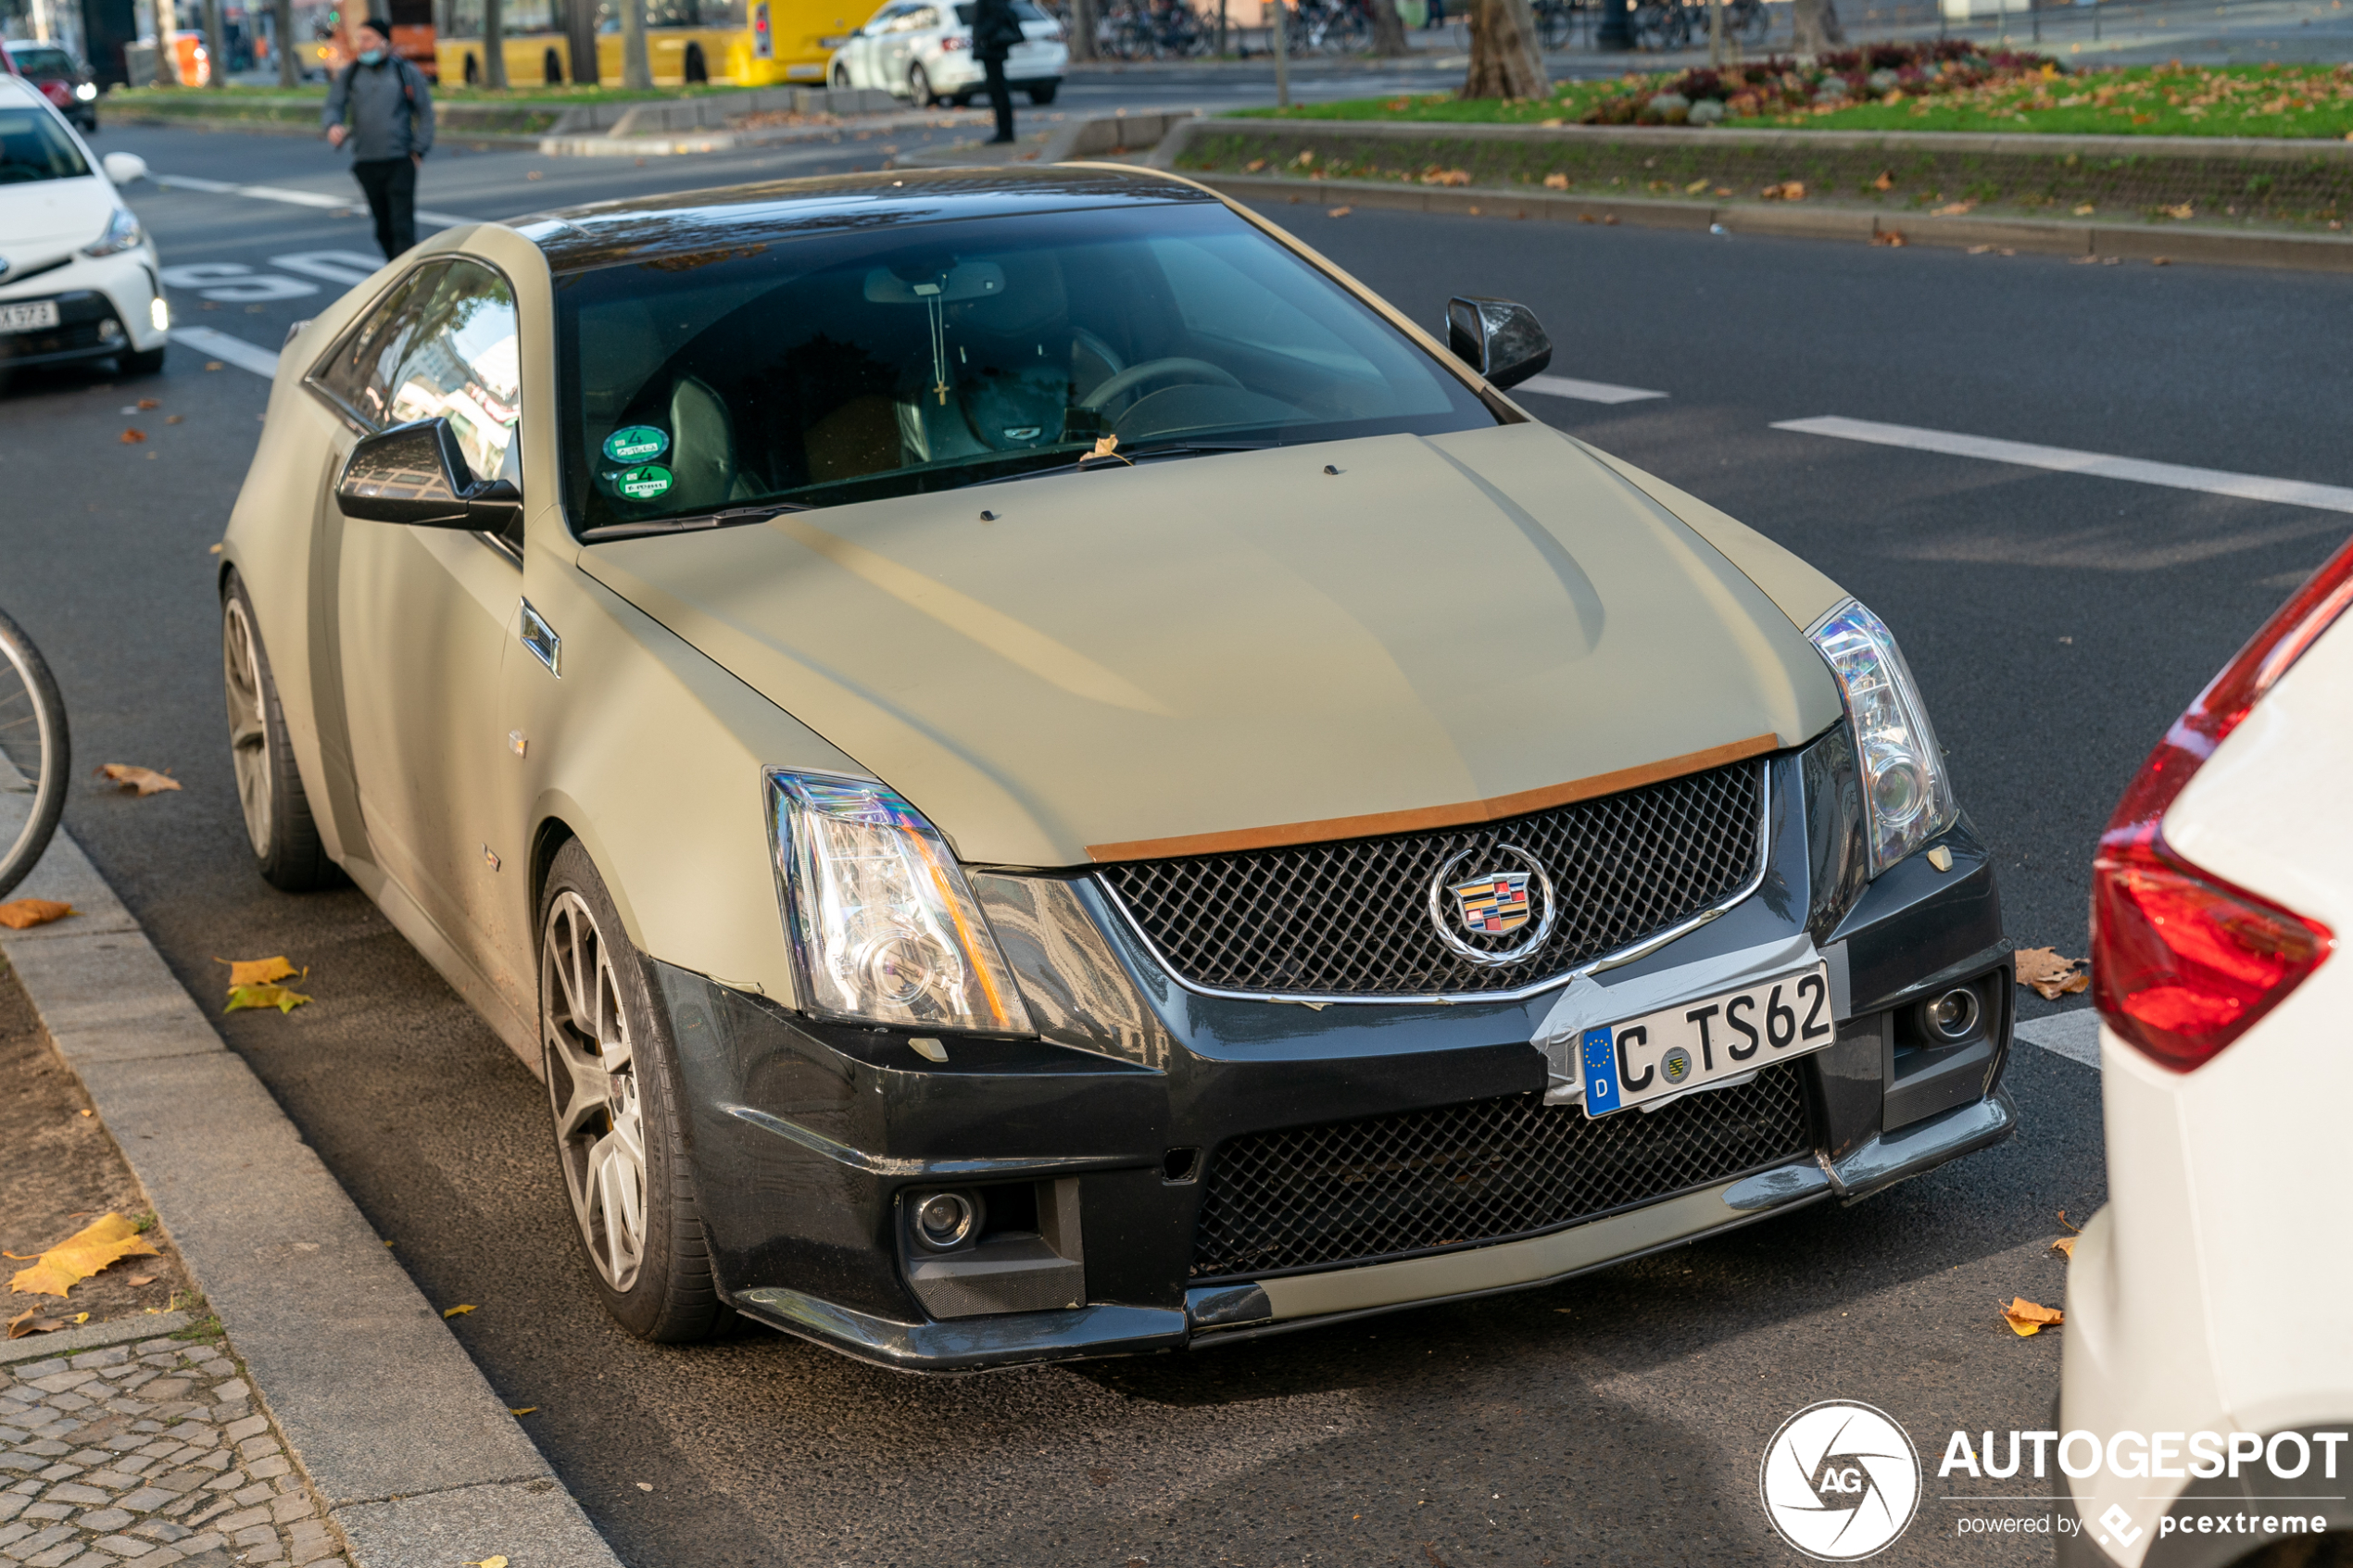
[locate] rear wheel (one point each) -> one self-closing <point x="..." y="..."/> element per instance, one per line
<point x="620" y="1138"/>
<point x="919" y="86"/>
<point x="286" y="845"/>
<point x="841" y="76"/>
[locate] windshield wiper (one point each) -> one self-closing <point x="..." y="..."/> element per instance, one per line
<point x="1089" y="462"/>
<point x="694" y="522"/>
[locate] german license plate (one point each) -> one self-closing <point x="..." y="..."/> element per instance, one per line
<point x="1701" y="1042"/>
<point x="29" y="317"/>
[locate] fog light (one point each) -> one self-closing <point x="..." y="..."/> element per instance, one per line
<point x="944" y="1220"/>
<point x="109" y="329"/>
<point x="160" y="313"/>
<point x="1952" y="1015"/>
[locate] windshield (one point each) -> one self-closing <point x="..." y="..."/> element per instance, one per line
<point x="845" y="366"/>
<point x="35" y="146"/>
<point x="43" y="63"/>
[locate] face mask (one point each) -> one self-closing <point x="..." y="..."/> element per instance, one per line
<point x="371" y="56"/>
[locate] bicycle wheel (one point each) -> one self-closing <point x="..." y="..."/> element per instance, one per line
<point x="1747" y="22"/>
<point x="35" y="758"/>
<point x="1652" y="23"/>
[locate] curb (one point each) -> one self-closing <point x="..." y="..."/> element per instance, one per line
<point x="412" y="1453"/>
<point x="615" y="145"/>
<point x="2301" y="252"/>
<point x="91" y="1336"/>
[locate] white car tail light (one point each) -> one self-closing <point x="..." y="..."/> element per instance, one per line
<point x="2184" y="964"/>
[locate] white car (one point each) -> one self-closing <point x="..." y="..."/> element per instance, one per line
<point x="2206" y="1412"/>
<point x="78" y="274"/>
<point x="922" y="50"/>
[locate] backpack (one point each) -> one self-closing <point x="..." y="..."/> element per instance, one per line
<point x="407" y="73"/>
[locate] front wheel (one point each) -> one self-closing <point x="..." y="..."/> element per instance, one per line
<point x="1043" y="96"/>
<point x="143" y="362"/>
<point x="620" y="1138"/>
<point x="842" y="78"/>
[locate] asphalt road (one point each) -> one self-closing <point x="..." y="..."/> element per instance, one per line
<point x="2056" y="621"/>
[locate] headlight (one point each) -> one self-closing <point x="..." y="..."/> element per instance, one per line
<point x="882" y="925"/>
<point x="85" y="91"/>
<point x="1909" y="794"/>
<point x="122" y="232"/>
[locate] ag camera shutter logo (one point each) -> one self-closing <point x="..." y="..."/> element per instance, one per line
<point x="1840" y="1481"/>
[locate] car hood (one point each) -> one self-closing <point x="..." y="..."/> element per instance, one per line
<point x="43" y="219"/>
<point x="1250" y="648"/>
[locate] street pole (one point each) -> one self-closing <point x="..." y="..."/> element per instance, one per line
<point x="1282" y="50"/>
<point x="2034" y="11"/>
<point x="494" y="46"/>
<point x="1716" y="34"/>
<point x="637" y="70"/>
<point x="1221" y="29"/>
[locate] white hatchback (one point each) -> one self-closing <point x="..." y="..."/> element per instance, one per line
<point x="77" y="275"/>
<point x="922" y="50"/>
<point x="2209" y="1305"/>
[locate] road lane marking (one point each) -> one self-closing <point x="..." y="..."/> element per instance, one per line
<point x="234" y="350"/>
<point x="296" y="198"/>
<point x="2099" y="465"/>
<point x="2074" y="1035"/>
<point x="1584" y="391"/>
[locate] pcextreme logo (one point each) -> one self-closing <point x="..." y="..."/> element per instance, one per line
<point x="1840" y="1481"/>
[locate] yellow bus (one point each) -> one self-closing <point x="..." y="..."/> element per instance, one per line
<point x="750" y="42"/>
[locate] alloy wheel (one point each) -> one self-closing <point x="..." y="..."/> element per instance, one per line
<point x="592" y="1083"/>
<point x="248" y="721"/>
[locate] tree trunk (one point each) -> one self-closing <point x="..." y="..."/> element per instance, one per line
<point x="1388" y="31"/>
<point x="1082" y="30"/>
<point x="283" y="24"/>
<point x="216" y="41"/>
<point x="494" y="46"/>
<point x="1506" y="61"/>
<point x="1816" y="22"/>
<point x="637" y="70"/>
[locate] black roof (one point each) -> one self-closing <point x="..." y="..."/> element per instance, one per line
<point x="701" y="224"/>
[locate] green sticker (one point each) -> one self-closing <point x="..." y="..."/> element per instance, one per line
<point x="637" y="444"/>
<point x="641" y="485"/>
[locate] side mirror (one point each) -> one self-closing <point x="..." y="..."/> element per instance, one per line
<point x="123" y="168"/>
<point x="417" y="475"/>
<point x="1497" y="338"/>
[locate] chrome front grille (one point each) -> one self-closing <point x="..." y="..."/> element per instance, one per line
<point x="1353" y="918"/>
<point x="1486" y="1171"/>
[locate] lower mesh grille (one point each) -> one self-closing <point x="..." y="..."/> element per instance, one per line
<point x="1424" y="1181"/>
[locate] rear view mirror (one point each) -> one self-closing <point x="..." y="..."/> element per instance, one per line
<point x="123" y="168"/>
<point x="417" y="475"/>
<point x="1497" y="338"/>
<point x="966" y="279"/>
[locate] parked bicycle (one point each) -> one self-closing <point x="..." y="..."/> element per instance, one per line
<point x="1665" y="24"/>
<point x="1555" y="23"/>
<point x="35" y="758"/>
<point x="1329" y="27"/>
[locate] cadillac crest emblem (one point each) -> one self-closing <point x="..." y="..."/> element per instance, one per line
<point x="1513" y="897"/>
<point x="1492" y="902"/>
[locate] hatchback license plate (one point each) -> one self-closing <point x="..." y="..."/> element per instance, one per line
<point x="1707" y="1040"/>
<point x="30" y="318"/>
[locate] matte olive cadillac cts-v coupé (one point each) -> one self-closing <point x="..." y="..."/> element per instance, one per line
<point x="1041" y="774"/>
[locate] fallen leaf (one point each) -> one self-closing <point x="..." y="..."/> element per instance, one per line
<point x="521" y="1409"/>
<point x="645" y="1485"/>
<point x="2025" y="1317"/>
<point x="1106" y="446"/>
<point x="142" y="1279"/>
<point x="89" y="1113"/>
<point x="2051" y="975"/>
<point x="1981" y="250"/>
<point x="24" y="1322"/>
<point x="1696" y="187"/>
<point x="1886" y="181"/>
<point x="146" y="781"/>
<point x="460" y="1310"/>
<point x="1609" y="220"/>
<point x="492" y="1561"/>
<point x="2184" y="211"/>
<point x="1556" y="181"/>
<point x="80" y="1317"/>
<point x="534" y="174"/>
<point x="2160" y="261"/>
<point x="173" y="419"/>
<point x="149" y="403"/>
<point x="1952" y="209"/>
<point x="1889" y="237"/>
<point x="1253" y="166"/>
<point x="244" y="997"/>
<point x="214" y="365"/>
<point x="1340" y="212"/>
<point x="1587" y="218"/>
<point x="104" y="1241"/>
<point x="2065" y="1247"/>
<point x="2072" y="1227"/>
<point x="23" y="914"/>
<point x="2085" y="210"/>
<point x="132" y="437"/>
<point x="258" y="972"/>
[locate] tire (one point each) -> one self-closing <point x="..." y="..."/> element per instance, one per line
<point x="919" y="86"/>
<point x="143" y="362"/>
<point x="1042" y="96"/>
<point x="39" y="749"/>
<point x="287" y="849"/>
<point x="613" y="1108"/>
<point x="842" y="78"/>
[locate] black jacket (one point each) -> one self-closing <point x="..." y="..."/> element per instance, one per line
<point x="995" y="30"/>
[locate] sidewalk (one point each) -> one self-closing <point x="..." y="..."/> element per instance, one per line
<point x="347" y="1421"/>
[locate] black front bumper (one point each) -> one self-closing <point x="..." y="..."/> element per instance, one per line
<point x="1103" y="1151"/>
<point x="83" y="318"/>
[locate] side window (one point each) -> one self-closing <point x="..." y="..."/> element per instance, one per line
<point x="917" y="20"/>
<point x="461" y="363"/>
<point x="358" y="373"/>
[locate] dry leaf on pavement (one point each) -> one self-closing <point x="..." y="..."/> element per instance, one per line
<point x="1952" y="209"/>
<point x="24" y="1322"/>
<point x="492" y="1561"/>
<point x="2051" y="975"/>
<point x="521" y="1409"/>
<point x="459" y="1310"/>
<point x="1556" y="181"/>
<point x="2026" y="1317"/>
<point x="2065" y="1248"/>
<point x="146" y="781"/>
<point x="1886" y="181"/>
<point x="149" y="403"/>
<point x="104" y="1241"/>
<point x="131" y="437"/>
<point x="1340" y="212"/>
<point x="259" y="972"/>
<point x="1888" y="237"/>
<point x="244" y="997"/>
<point x="23" y="914"/>
<point x="2184" y="211"/>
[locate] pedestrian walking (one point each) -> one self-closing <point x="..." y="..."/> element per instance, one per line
<point x="389" y="105"/>
<point x="994" y="31"/>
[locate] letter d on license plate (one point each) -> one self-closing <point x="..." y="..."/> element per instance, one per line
<point x="1705" y="1040"/>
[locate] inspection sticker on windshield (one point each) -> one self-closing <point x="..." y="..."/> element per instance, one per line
<point x="637" y="444"/>
<point x="642" y="483"/>
<point x="1707" y="1040"/>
